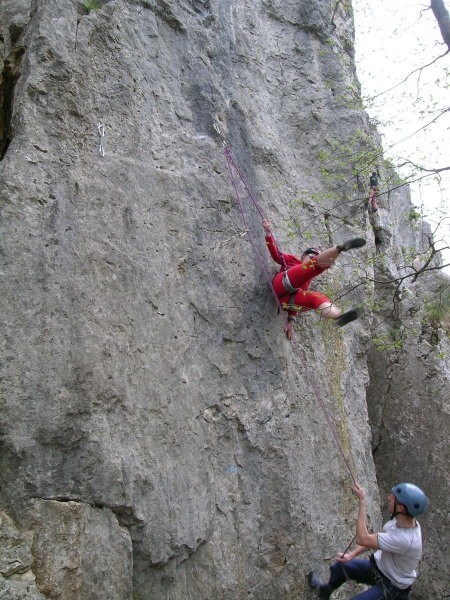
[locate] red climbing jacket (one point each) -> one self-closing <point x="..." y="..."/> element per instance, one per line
<point x="299" y="274"/>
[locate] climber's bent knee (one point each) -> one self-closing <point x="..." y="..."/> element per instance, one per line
<point x="329" y="311"/>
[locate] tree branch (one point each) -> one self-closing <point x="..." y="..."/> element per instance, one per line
<point x="421" y="128"/>
<point x="443" y="19"/>
<point x="410" y="162"/>
<point x="397" y="280"/>
<point x="392" y="189"/>
<point x="420" y="69"/>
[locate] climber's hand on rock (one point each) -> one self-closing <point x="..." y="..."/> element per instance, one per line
<point x="289" y="330"/>
<point x="266" y="225"/>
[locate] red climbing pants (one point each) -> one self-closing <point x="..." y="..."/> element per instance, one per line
<point x="373" y="199"/>
<point x="299" y="278"/>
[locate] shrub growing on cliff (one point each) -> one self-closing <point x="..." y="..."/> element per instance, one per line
<point x="437" y="309"/>
<point x="91" y="5"/>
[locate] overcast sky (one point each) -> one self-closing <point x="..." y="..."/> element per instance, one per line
<point x="394" y="37"/>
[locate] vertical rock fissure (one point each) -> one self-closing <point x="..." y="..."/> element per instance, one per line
<point x="9" y="76"/>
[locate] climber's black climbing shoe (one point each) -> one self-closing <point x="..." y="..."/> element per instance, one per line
<point x="316" y="584"/>
<point x="347" y="317"/>
<point x="355" y="243"/>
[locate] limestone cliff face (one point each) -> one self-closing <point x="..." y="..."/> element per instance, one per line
<point x="408" y="393"/>
<point x="160" y="438"/>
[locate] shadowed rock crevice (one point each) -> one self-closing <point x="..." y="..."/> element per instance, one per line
<point x="8" y="79"/>
<point x="165" y="11"/>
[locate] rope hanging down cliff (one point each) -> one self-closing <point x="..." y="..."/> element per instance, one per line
<point x="285" y="260"/>
<point x="327" y="415"/>
<point x="235" y="176"/>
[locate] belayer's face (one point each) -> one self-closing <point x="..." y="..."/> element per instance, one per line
<point x="391" y="503"/>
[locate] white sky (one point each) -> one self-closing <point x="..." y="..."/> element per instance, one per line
<point x="393" y="38"/>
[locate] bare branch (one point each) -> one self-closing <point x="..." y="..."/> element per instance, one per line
<point x="380" y="154"/>
<point x="433" y="171"/>
<point x="421" y="128"/>
<point x="419" y="69"/>
<point x="409" y="182"/>
<point x="397" y="280"/>
<point x="428" y="261"/>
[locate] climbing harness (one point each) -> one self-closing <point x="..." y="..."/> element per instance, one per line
<point x="390" y="591"/>
<point x="373" y="195"/>
<point x="288" y="285"/>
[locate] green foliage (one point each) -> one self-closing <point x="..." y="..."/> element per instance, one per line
<point x="323" y="155"/>
<point x="374" y="259"/>
<point x="293" y="229"/>
<point x="409" y="253"/>
<point x="347" y="6"/>
<point x="437" y="309"/>
<point x="311" y="199"/>
<point x="359" y="155"/>
<point x="375" y="305"/>
<point x="91" y="5"/>
<point x="350" y="98"/>
<point x="330" y="288"/>
<point x="414" y="215"/>
<point x="387" y="341"/>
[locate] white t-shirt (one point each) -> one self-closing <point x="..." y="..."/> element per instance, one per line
<point x="399" y="553"/>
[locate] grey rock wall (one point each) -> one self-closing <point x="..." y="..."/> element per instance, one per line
<point x="408" y="394"/>
<point x="160" y="439"/>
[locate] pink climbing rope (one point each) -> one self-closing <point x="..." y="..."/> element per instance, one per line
<point x="231" y="164"/>
<point x="328" y="419"/>
<point x="232" y="169"/>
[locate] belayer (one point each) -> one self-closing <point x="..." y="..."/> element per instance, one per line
<point x="392" y="569"/>
<point x="293" y="279"/>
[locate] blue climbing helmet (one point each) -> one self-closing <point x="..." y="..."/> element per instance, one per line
<point x="410" y="496"/>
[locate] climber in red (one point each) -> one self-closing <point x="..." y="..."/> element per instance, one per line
<point x="292" y="281"/>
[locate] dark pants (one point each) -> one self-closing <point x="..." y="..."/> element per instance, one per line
<point x="363" y="571"/>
